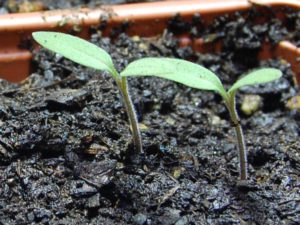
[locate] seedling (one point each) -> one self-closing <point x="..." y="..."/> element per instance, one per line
<point x="90" y="55"/>
<point x="196" y="76"/>
<point x="187" y="73"/>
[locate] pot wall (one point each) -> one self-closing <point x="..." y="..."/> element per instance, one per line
<point x="145" y="19"/>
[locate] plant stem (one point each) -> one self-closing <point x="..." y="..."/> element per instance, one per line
<point x="123" y="86"/>
<point x="242" y="152"/>
<point x="240" y="138"/>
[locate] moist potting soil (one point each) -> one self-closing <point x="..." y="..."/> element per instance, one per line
<point x="66" y="147"/>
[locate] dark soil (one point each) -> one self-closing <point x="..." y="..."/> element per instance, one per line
<point x="65" y="141"/>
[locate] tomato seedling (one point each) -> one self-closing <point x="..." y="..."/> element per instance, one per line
<point x="90" y="55"/>
<point x="196" y="76"/>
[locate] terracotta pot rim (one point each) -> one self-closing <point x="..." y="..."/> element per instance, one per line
<point x="138" y="11"/>
<point x="115" y="13"/>
<point x="15" y="27"/>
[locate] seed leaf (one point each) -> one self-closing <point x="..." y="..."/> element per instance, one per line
<point x="76" y="49"/>
<point x="257" y="77"/>
<point x="184" y="72"/>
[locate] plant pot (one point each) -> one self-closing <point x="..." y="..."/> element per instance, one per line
<point x="15" y="29"/>
<point x="62" y="129"/>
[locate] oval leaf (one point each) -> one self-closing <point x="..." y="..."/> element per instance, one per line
<point x="182" y="71"/>
<point x="260" y="76"/>
<point x="76" y="49"/>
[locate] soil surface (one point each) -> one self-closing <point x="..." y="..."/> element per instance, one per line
<point x="65" y="147"/>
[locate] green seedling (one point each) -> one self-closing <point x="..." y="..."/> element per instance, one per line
<point x="196" y="76"/>
<point x="90" y="55"/>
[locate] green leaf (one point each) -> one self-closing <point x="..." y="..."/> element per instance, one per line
<point x="182" y="71"/>
<point x="77" y="50"/>
<point x="260" y="76"/>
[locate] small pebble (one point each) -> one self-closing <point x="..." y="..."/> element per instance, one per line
<point x="170" y="217"/>
<point x="293" y="103"/>
<point x="94" y="201"/>
<point x="83" y="190"/>
<point x="136" y="38"/>
<point x="215" y="120"/>
<point x="250" y="104"/>
<point x="139" y="219"/>
<point x="182" y="221"/>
